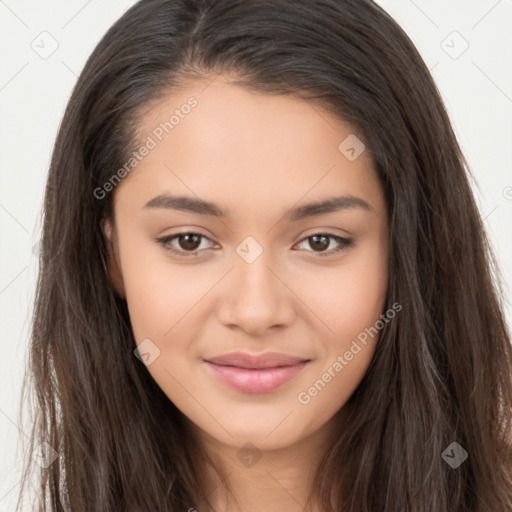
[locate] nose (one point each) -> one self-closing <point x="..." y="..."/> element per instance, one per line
<point x="255" y="298"/>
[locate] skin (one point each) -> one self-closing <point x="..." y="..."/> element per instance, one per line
<point x="257" y="156"/>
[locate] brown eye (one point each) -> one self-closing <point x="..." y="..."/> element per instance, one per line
<point x="188" y="243"/>
<point x="319" y="242"/>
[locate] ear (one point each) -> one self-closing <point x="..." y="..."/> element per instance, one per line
<point x="113" y="264"/>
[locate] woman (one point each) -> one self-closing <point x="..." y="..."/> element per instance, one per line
<point x="331" y="340"/>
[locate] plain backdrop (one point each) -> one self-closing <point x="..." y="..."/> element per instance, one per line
<point x="43" y="47"/>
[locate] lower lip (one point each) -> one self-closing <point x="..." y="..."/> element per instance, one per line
<point x="256" y="381"/>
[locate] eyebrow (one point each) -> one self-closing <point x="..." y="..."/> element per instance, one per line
<point x="202" y="207"/>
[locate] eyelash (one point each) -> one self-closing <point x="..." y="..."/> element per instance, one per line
<point x="345" y="243"/>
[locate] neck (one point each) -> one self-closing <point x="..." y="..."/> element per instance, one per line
<point x="252" y="480"/>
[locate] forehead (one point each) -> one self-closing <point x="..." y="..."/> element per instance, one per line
<point x="220" y="140"/>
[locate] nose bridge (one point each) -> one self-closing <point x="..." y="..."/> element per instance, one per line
<point x="256" y="298"/>
<point x="255" y="276"/>
<point x="255" y="282"/>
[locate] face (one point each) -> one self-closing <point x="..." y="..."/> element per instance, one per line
<point x="257" y="270"/>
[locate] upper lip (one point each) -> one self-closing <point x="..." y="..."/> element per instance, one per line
<point x="245" y="360"/>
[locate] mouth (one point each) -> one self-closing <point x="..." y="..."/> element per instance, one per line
<point x="256" y="380"/>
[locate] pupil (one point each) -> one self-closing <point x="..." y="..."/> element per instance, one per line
<point x="319" y="245"/>
<point x="187" y="243"/>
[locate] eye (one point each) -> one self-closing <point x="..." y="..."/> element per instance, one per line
<point x="189" y="242"/>
<point x="320" y="241"/>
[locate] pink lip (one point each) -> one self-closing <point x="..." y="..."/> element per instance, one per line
<point x="266" y="360"/>
<point x="256" y="374"/>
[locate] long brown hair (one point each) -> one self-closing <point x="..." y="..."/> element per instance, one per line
<point x="442" y="369"/>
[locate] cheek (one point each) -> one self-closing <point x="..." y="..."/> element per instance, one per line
<point x="350" y="297"/>
<point x="160" y="292"/>
<point x="350" y="303"/>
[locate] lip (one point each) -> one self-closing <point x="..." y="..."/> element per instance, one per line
<point x="256" y="374"/>
<point x="249" y="361"/>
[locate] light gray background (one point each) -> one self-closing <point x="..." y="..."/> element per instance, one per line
<point x="476" y="85"/>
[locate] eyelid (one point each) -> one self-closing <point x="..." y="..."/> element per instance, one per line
<point x="344" y="243"/>
<point x="166" y="240"/>
<point x="328" y="231"/>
